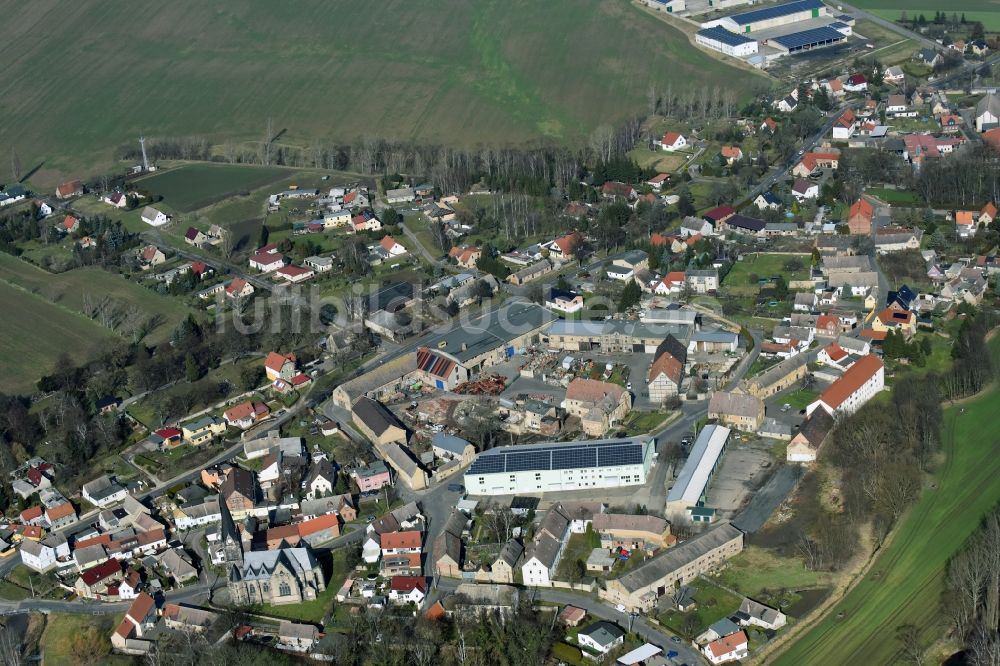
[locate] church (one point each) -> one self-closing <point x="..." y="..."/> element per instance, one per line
<point x="285" y="575"/>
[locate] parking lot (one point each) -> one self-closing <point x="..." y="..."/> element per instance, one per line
<point x="744" y="468"/>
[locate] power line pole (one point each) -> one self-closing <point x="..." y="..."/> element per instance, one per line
<point x="142" y="145"/>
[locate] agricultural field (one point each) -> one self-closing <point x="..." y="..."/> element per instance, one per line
<point x="507" y="73"/>
<point x="72" y="289"/>
<point x="36" y="336"/>
<point x="663" y="162"/>
<point x="193" y="186"/>
<point x="985" y="11"/>
<point x="905" y="584"/>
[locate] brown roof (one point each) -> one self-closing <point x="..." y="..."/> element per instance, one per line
<point x="592" y="390"/>
<point x="141" y="607"/>
<point x="274" y="360"/>
<point x="60" y="511"/>
<point x="240" y="411"/>
<point x="670" y="358"/>
<point x="622" y="521"/>
<point x="862" y="207"/>
<point x="735" y="404"/>
<point x="815" y="428"/>
<point x="851" y="381"/>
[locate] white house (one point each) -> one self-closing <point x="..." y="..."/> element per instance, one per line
<point x="103" y="492"/>
<point x="988" y="113"/>
<point x="728" y="648"/>
<point x="601" y="637"/>
<point x="805" y="189"/>
<point x="154" y="217"/>
<point x="371" y="551"/>
<point x="673" y="141"/>
<point x="756" y="614"/>
<point x="267" y="261"/>
<point x="43" y="555"/>
<point x="392" y="246"/>
<point x="542" y="558"/>
<point x="862" y="382"/>
<point x="408" y="589"/>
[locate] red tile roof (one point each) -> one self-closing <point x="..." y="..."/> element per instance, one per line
<point x="319" y="524"/>
<point x="719" y="214"/>
<point x="101" y="572"/>
<point x="727" y="644"/>
<point x="861" y="207"/>
<point x="835" y="352"/>
<point x="407" y="539"/>
<point x="60" y="511"/>
<point x="236" y="286"/>
<point x="275" y="361"/>
<point x="69" y="222"/>
<point x="100" y="539"/>
<point x="31" y="513"/>
<point x="141" y="607"/>
<point x="670" y="138"/>
<point x="387" y="243"/>
<point x="169" y="433"/>
<point x="851" y="381"/>
<point x="407" y="583"/>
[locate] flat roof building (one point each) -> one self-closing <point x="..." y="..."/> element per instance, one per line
<point x="771" y="17"/>
<point x="725" y="41"/>
<point x="554" y="466"/>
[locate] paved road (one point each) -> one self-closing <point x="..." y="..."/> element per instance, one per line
<point x="768" y="498"/>
<point x="191" y="254"/>
<point x="769" y="181"/>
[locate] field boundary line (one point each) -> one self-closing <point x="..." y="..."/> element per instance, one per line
<point x="776" y="648"/>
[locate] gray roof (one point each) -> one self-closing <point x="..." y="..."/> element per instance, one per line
<point x="724" y="627"/>
<point x="857" y="262"/>
<point x="989" y="103"/>
<point x="603" y="633"/>
<point x="449" y="443"/>
<point x="660" y="565"/>
<point x="735" y="404"/>
<point x="545" y="549"/>
<point x="374" y="415"/>
<point x="467" y="340"/>
<point x="511" y="552"/>
<point x="260" y="564"/>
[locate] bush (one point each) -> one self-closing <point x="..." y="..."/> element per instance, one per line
<point x="567" y="653"/>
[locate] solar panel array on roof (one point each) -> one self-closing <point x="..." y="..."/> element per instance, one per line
<point x="610" y="453"/>
<point x="797" y="40"/>
<point x="778" y="10"/>
<point x="727" y="37"/>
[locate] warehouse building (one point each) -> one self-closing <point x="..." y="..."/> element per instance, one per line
<point x="692" y="483"/>
<point x="719" y="39"/>
<point x="553" y="466"/>
<point x="806" y="40"/>
<point x="494" y="337"/>
<point x="771" y="17"/>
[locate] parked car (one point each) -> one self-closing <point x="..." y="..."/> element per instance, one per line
<point x="456" y="488"/>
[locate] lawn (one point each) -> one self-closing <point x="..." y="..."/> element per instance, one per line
<point x="905" y="584"/>
<point x="760" y="573"/>
<point x="799" y="399"/>
<point x="763" y="265"/>
<point x="193" y="186"/>
<point x="34" y="339"/>
<point x="90" y="633"/>
<point x="986" y="11"/>
<point x="508" y="73"/>
<point x="894" y="196"/>
<point x="640" y="423"/>
<point x="713" y="604"/>
<point x="71" y="290"/>
<point x="661" y="161"/>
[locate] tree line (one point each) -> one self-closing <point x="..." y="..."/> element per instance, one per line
<point x="972" y="596"/>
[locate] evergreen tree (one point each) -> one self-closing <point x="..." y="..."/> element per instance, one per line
<point x="631" y="295"/>
<point x="192" y="371"/>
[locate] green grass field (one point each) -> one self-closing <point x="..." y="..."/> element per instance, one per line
<point x="70" y="289"/>
<point x="193" y="186"/>
<point x="985" y="11"/>
<point x="737" y="281"/>
<point x="440" y="71"/>
<point x="37" y="332"/>
<point x="905" y="583"/>
<point x="61" y="629"/>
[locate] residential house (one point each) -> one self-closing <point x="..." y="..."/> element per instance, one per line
<point x="69" y="189"/>
<point x="94" y="581"/>
<point x="599" y="405"/>
<point x="154" y="217"/>
<point x="246" y="414"/>
<point x="846" y="125"/>
<point x="564" y="248"/>
<point x="393" y="247"/>
<point x="45" y="554"/>
<point x="195" y="237"/>
<point x="966" y="224"/>
<point x="695" y="226"/>
<point x="756" y="614"/>
<point x="294" y="636"/>
<point x="768" y="200"/>
<point x="731" y="154"/>
<point x="450" y="447"/>
<point x="856" y="83"/>
<point x="673" y="141"/>
<point x="719" y="215"/>
<point x="239" y="288"/>
<point x="202" y="430"/>
<point x="804" y="189"/>
<point x="447" y="547"/>
<point x="897" y="239"/>
<point x="614" y="189"/>
<point x="733" y="647"/>
<point x="408" y="590"/>
<point x="266" y="262"/>
<point x="893" y="319"/>
<point x="371" y="477"/>
<point x="601" y="637"/>
<point x="658" y="181"/>
<point x="702" y="281"/>
<point x="666" y="372"/>
<point x="280" y="366"/>
<point x="859" y="217"/>
<point x="103" y="491"/>
<point x="293" y="274"/>
<point x="70" y="225"/>
<point x="567" y="302"/>
<point x="465" y="256"/>
<point x="740" y="410"/>
<point x="318" y="264"/>
<point x="988" y="214"/>
<point x="894" y="74"/>
<point x="61" y="515"/>
<point x="928" y="57"/>
<point x="239" y="492"/>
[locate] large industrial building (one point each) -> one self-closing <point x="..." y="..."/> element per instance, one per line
<point x="692" y="482"/>
<point x="553" y="466"/>
<point x="771" y="17"/>
<point x="614" y="336"/>
<point x="806" y="40"/>
<point x="719" y="39"/>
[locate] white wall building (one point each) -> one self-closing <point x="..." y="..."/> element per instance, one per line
<point x="689" y="488"/>
<point x="725" y="41"/>
<point x="862" y="382"/>
<point x="553" y="466"/>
